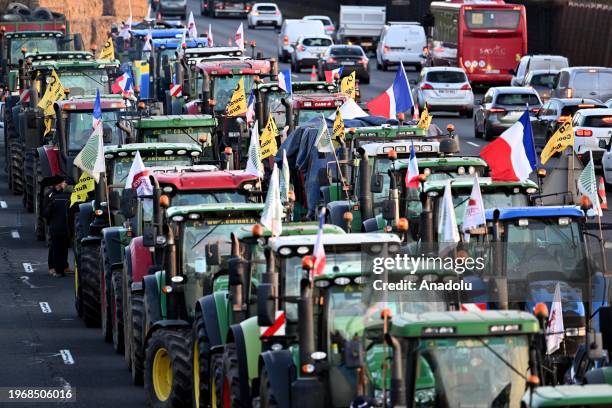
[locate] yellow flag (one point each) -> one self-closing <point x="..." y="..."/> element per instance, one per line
<point x="53" y="93"/>
<point x="338" y="130"/>
<point x="425" y="119"/>
<point x="267" y="140"/>
<point x="108" y="51"/>
<point x="563" y="137"/>
<point x="48" y="125"/>
<point x="237" y="106"/>
<point x="83" y="187"/>
<point x="347" y="85"/>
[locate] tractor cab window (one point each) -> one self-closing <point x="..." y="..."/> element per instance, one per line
<point x="209" y="197"/>
<point x="32" y="44"/>
<point x="177" y="135"/>
<point x="224" y="87"/>
<point x="306" y="115"/>
<point x="122" y="165"/>
<point x="474" y="372"/>
<point x="275" y="107"/>
<point x="80" y="127"/>
<point x="491" y="199"/>
<point x="85" y="82"/>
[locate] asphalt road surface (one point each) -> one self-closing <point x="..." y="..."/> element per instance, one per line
<point x="43" y="341"/>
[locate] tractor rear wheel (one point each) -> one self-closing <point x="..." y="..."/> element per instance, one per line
<point x="216" y="383"/>
<point x="202" y="388"/>
<point x="116" y="300"/>
<point x="16" y="181"/>
<point x="266" y="394"/>
<point x="78" y="284"/>
<point x="90" y="283"/>
<point x="231" y="377"/>
<point x="126" y="308"/>
<point x="105" y="286"/>
<point x="41" y="228"/>
<point x="28" y="172"/>
<point x="167" y="368"/>
<point x="137" y="336"/>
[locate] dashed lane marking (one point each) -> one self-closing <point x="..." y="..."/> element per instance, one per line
<point x="28" y="268"/>
<point x="67" y="357"/>
<point x="15" y="234"/>
<point x="26" y="280"/>
<point x="473" y="144"/>
<point x="44" y="306"/>
<point x="3" y="204"/>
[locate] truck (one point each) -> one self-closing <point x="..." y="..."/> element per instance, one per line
<point x="361" y="25"/>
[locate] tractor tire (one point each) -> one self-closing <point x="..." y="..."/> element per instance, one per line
<point x="266" y="394"/>
<point x="137" y="339"/>
<point x="105" y="289"/>
<point x="28" y="191"/>
<point x="202" y="391"/>
<point x="168" y="368"/>
<point x="16" y="180"/>
<point x="40" y="229"/>
<point x="231" y="378"/>
<point x="78" y="285"/>
<point x="216" y="383"/>
<point x="116" y="294"/>
<point x="90" y="282"/>
<point x="126" y="308"/>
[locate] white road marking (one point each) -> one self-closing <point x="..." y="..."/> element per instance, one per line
<point x="27" y="267"/>
<point x="473" y="144"/>
<point x="3" y="204"/>
<point x="44" y="306"/>
<point x="66" y="356"/>
<point x="26" y="280"/>
<point x="15" y="234"/>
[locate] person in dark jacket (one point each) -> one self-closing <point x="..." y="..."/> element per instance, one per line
<point x="55" y="209"/>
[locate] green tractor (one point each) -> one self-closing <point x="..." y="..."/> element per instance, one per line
<point x="566" y="396"/>
<point x="91" y="276"/>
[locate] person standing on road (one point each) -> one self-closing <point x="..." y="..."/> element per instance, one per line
<point x="55" y="211"/>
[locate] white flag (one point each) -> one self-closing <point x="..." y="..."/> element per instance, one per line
<point x="191" y="26"/>
<point x="254" y="165"/>
<point x="324" y="142"/>
<point x="125" y="30"/>
<point x="448" y="233"/>
<point x="474" y="215"/>
<point x="587" y="185"/>
<point x="210" y="36"/>
<point x="239" y="38"/>
<point x="91" y="157"/>
<point x="272" y="216"/>
<point x="555" y="331"/>
<point x="284" y="179"/>
<point x="138" y="179"/>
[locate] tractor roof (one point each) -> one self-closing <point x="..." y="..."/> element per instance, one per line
<point x="233" y="67"/>
<point x="152" y="148"/>
<point x="346" y="239"/>
<point x="69" y="59"/>
<point x="468" y="181"/>
<point x="173" y="43"/>
<point x="34" y="34"/>
<point x="174" y="121"/>
<point x="202" y="52"/>
<point x="536" y="212"/>
<point x="159" y="33"/>
<point x="460" y="323"/>
<point x="289" y="229"/>
<point x="86" y="103"/>
<point x="445" y="161"/>
<point x="208" y="180"/>
<point x="570" y="395"/>
<point x="402" y="148"/>
<point x="297" y="87"/>
<point x="384" y="131"/>
<point x="221" y="208"/>
<point x="318" y="100"/>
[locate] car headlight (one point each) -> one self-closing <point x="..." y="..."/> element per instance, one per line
<point x="425" y="396"/>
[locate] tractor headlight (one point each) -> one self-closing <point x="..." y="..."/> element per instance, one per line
<point x="425" y="396"/>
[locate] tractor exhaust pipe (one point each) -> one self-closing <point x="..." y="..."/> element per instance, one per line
<point x="305" y="315"/>
<point x="500" y="279"/>
<point x="154" y="75"/>
<point x="426" y="227"/>
<point x="365" y="185"/>
<point x="398" y="385"/>
<point x="288" y="114"/>
<point x="259" y="105"/>
<point x="206" y="108"/>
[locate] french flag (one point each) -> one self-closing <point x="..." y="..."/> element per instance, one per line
<point x="329" y="75"/>
<point x="284" y="80"/>
<point x="250" y="113"/>
<point x="412" y="173"/>
<point x="394" y="100"/>
<point x="318" y="252"/>
<point x="122" y="84"/>
<point x="512" y="156"/>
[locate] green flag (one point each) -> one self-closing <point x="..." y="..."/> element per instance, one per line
<point x="272" y="216"/>
<point x="324" y="142"/>
<point x="91" y="157"/>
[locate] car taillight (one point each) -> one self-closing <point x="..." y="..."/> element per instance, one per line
<point x="534" y="109"/>
<point x="586" y="105"/>
<point x="301" y="48"/>
<point x="426" y="86"/>
<point x="497" y="110"/>
<point x="569" y="92"/>
<point x="385" y="49"/>
<point x="277" y="13"/>
<point x="584" y="133"/>
<point x="466" y="87"/>
<point x="331" y="60"/>
<point x="607" y="119"/>
<point x="255" y="13"/>
<point x="286" y="40"/>
<point x="363" y="61"/>
<point x="563" y="119"/>
<point x="247" y="7"/>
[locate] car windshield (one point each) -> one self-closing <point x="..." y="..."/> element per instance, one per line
<point x="490" y="199"/>
<point x="492" y="19"/>
<point x="85" y="82"/>
<point x="306" y="115"/>
<point x="32" y="44"/>
<point x="545" y="80"/>
<point x="122" y="165"/>
<point x="556" y="63"/>
<point x="266" y="8"/>
<point x="224" y="87"/>
<point x="470" y="373"/>
<point x="176" y="135"/>
<point x="80" y="127"/>
<point x="447" y="77"/>
<point x="346" y="52"/>
<point x="598" y="121"/>
<point x="209" y="197"/>
<point x="316" y="42"/>
<point x="518" y="99"/>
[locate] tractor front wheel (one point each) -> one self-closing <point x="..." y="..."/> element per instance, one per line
<point x="167" y="368"/>
<point x="105" y="303"/>
<point x="231" y="377"/>
<point x="136" y="339"/>
<point x="90" y="282"/>
<point x="204" y="394"/>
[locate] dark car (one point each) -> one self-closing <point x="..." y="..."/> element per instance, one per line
<point x="350" y="57"/>
<point x="555" y="112"/>
<point x="173" y="8"/>
<point x="501" y="108"/>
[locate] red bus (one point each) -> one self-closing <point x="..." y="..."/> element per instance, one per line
<point x="486" y="38"/>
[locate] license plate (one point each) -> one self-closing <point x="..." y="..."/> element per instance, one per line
<point x="267" y="22"/>
<point x="366" y="44"/>
<point x="347" y="63"/>
<point x="492" y="71"/>
<point x="448" y="91"/>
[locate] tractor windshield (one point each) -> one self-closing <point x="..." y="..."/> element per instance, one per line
<point x="491" y="199"/>
<point x="177" y="135"/>
<point x="32" y="44"/>
<point x="224" y="86"/>
<point x="209" y="197"/>
<point x="122" y="165"/>
<point x="476" y="372"/>
<point x="80" y="126"/>
<point x="85" y="82"/>
<point x="306" y="115"/>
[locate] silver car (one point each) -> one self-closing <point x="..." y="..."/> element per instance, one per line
<point x="445" y="89"/>
<point x="584" y="82"/>
<point x="173" y="8"/>
<point x="308" y="50"/>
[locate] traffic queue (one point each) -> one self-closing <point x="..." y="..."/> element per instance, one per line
<point x="243" y="238"/>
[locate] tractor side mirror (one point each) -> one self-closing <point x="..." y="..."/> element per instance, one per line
<point x="266" y="310"/>
<point x="149" y="236"/>
<point x="213" y="257"/>
<point x="388" y="210"/>
<point x="107" y="135"/>
<point x="129" y="203"/>
<point x="377" y="183"/>
<point x="603" y="144"/>
<point x="237" y="268"/>
<point x="353" y="353"/>
<point x="114" y="200"/>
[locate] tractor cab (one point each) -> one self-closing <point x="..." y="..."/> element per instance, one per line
<point x="132" y="49"/>
<point x="478" y="358"/>
<point x="564" y="396"/>
<point x="303" y="108"/>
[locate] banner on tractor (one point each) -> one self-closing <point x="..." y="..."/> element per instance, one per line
<point x="338" y="129"/>
<point x="53" y="93"/>
<point x="237" y="106"/>
<point x="267" y="141"/>
<point x="562" y="139"/>
<point x="347" y="85"/>
<point x="82" y="189"/>
<point x="425" y="119"/>
<point x="108" y="51"/>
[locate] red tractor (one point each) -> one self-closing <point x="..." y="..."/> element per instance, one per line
<point x="302" y="108"/>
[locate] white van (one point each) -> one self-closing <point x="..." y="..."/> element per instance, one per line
<point x="291" y="30"/>
<point x="401" y="42"/>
